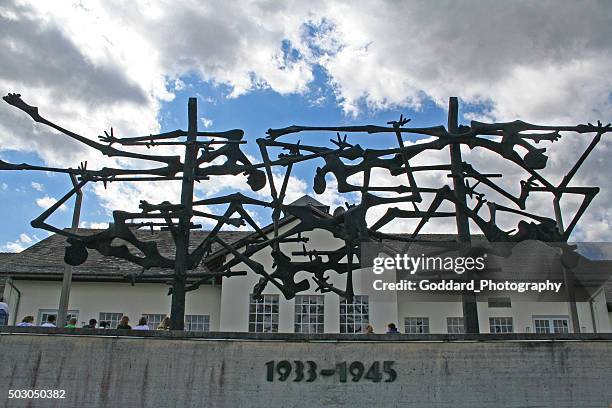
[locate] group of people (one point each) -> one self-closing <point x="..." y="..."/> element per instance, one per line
<point x="391" y="329"/>
<point x="124" y="323"/>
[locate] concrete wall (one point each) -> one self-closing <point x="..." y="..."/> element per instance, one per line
<point x="139" y="372"/>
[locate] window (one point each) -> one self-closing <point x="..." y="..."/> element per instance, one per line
<point x="455" y="325"/>
<point x="43" y="314"/>
<point x="154" y="320"/>
<point x="500" y="325"/>
<point x="416" y="325"/>
<point x="263" y="314"/>
<point x="309" y="313"/>
<point x="551" y="324"/>
<point x="500" y="302"/>
<point x="354" y="317"/>
<point x="111" y="319"/>
<point x="197" y="322"/>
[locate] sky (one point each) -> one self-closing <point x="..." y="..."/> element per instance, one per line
<point x="90" y="65"/>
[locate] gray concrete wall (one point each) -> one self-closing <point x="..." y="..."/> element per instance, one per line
<point x="166" y="371"/>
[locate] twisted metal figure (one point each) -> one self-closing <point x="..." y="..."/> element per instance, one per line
<point x="343" y="160"/>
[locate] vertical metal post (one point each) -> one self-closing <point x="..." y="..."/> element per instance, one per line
<point x="568" y="278"/>
<point x="470" y="309"/>
<point x="177" y="312"/>
<point x="62" y="310"/>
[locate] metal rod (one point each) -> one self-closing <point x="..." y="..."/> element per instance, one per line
<point x="470" y="309"/>
<point x="62" y="310"/>
<point x="568" y="278"/>
<point x="177" y="312"/>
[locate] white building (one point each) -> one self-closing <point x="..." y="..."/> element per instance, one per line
<point x="100" y="290"/>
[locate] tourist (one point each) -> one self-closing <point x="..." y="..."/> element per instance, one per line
<point x="72" y="323"/>
<point x="165" y="324"/>
<point x="91" y="325"/>
<point x="104" y="325"/>
<point x="50" y="321"/>
<point x="142" y="324"/>
<point x="123" y="323"/>
<point x="392" y="329"/>
<point x="27" y="322"/>
<point x="4" y="312"/>
<point x="369" y="329"/>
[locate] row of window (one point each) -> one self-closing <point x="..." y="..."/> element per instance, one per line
<point x="192" y="322"/>
<point x="420" y="325"/>
<point x="309" y="311"/>
<point x="354" y="317"/>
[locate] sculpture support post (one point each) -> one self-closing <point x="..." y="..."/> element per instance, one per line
<point x="62" y="310"/>
<point x="470" y="309"/>
<point x="568" y="278"/>
<point x="177" y="312"/>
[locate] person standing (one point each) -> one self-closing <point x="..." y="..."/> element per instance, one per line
<point x="142" y="324"/>
<point x="4" y="312"/>
<point x="72" y="323"/>
<point x="27" y="321"/>
<point x="50" y="321"/>
<point x="165" y="324"/>
<point x="91" y="325"/>
<point x="392" y="329"/>
<point x="124" y="323"/>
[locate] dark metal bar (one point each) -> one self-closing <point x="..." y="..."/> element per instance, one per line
<point x="470" y="310"/>
<point x="177" y="311"/>
<point x="62" y="310"/>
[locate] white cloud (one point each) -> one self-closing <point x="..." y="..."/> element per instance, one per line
<point x="18" y="245"/>
<point x="113" y="64"/>
<point x="46" y="202"/>
<point x="206" y="122"/>
<point x="37" y="186"/>
<point x="3" y="186"/>
<point x="93" y="225"/>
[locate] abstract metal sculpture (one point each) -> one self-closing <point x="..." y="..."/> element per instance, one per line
<point x="342" y="160"/>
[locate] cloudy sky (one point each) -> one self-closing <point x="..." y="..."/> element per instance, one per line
<point x="91" y="65"/>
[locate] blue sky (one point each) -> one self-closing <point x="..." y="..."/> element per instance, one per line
<point x="254" y="112"/>
<point x="259" y="65"/>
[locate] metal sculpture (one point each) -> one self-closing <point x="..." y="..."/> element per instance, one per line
<point x="349" y="225"/>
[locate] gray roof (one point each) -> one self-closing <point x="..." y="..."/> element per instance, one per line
<point x="46" y="258"/>
<point x="308" y="200"/>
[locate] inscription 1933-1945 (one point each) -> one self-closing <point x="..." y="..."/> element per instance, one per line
<point x="308" y="371"/>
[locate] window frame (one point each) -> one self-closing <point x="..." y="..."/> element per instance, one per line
<point x="41" y="312"/>
<point x="416" y="320"/>
<point x="501" y="322"/>
<point x="499" y="302"/>
<point x="457" y="323"/>
<point x="359" y="302"/>
<point x="264" y="319"/>
<point x="205" y="324"/>
<point x="550" y="319"/>
<point x="111" y="320"/>
<point x="308" y="319"/>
